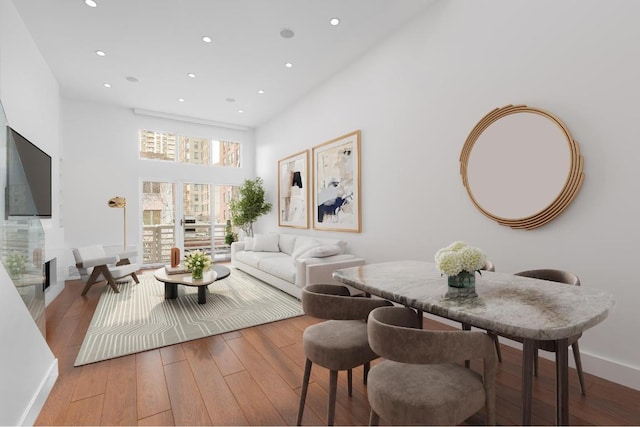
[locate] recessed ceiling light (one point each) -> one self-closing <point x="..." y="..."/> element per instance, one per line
<point x="107" y="85"/>
<point x="207" y="39"/>
<point x="240" y="111"/>
<point x="286" y="33"/>
<point x="230" y="100"/>
<point x="132" y="79"/>
<point x="334" y="21"/>
<point x="91" y="3"/>
<point x="180" y="99"/>
<point x="288" y="65"/>
<point x="192" y="75"/>
<point x="260" y="91"/>
<point x="100" y="53"/>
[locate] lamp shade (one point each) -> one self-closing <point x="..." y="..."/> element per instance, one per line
<point x="117" y="202"/>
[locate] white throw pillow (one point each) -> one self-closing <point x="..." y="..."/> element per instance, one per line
<point x="287" y="243"/>
<point x="266" y="243"/>
<point x="248" y="243"/>
<point x="303" y="248"/>
<point x="322" y="251"/>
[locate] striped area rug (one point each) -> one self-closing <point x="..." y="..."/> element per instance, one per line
<point x="139" y="318"/>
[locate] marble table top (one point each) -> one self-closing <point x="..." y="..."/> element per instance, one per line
<point x="501" y="302"/>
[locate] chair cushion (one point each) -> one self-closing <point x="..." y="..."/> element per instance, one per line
<point x="90" y="252"/>
<point x="406" y="394"/>
<point x="338" y="344"/>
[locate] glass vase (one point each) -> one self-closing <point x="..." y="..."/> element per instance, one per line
<point x="464" y="279"/>
<point x="196" y="273"/>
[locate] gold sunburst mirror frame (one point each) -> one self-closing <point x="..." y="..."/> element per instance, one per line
<point x="516" y="169"/>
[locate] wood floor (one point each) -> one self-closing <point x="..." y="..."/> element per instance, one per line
<point x="253" y="377"/>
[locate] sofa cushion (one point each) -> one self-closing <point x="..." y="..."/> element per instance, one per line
<point x="253" y="258"/>
<point x="248" y="243"/>
<point x="321" y="251"/>
<point x="287" y="243"/>
<point x="280" y="267"/>
<point x="266" y="242"/>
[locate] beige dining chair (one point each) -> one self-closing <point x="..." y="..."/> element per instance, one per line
<point x="422" y="382"/>
<point x="568" y="278"/>
<point x="338" y="344"/>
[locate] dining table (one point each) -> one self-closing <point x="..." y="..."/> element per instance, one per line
<point x="531" y="309"/>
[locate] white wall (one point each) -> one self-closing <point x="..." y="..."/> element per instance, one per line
<point x="29" y="93"/>
<point x="418" y="95"/>
<point x="101" y="160"/>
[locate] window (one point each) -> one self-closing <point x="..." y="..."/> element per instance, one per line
<point x="151" y="187"/>
<point x="194" y="150"/>
<point x="157" y="145"/>
<point x="151" y="217"/>
<point x="188" y="149"/>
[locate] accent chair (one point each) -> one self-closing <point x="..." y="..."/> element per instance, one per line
<point x="338" y="344"/>
<point x="96" y="266"/>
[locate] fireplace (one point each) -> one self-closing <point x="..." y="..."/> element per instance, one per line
<point x="48" y="268"/>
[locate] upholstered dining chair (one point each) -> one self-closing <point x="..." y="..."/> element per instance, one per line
<point x="338" y="344"/>
<point x="422" y="382"/>
<point x="563" y="277"/>
<point x="96" y="266"/>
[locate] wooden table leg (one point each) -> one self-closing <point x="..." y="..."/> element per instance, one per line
<point x="466" y="327"/>
<point x="528" y="353"/>
<point x="562" y="382"/>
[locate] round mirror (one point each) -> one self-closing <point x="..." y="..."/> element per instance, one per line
<point x="520" y="166"/>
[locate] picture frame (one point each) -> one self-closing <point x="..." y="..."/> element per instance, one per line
<point x="336" y="184"/>
<point x="293" y="190"/>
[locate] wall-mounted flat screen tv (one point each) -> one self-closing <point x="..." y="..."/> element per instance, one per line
<point x="28" y="191"/>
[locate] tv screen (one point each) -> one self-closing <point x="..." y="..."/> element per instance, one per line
<point x="28" y="178"/>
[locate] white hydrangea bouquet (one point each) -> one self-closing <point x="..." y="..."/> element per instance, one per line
<point x="459" y="262"/>
<point x="197" y="262"/>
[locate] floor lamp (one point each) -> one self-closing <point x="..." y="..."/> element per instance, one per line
<point x="121" y="202"/>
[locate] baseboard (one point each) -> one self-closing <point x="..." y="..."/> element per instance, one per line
<point x="30" y="414"/>
<point x="52" y="292"/>
<point x="616" y="372"/>
<point x="593" y="364"/>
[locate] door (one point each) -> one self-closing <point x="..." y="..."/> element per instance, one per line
<point x="188" y="216"/>
<point x="196" y="224"/>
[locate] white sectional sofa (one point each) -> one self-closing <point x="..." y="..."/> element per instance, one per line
<point x="289" y="262"/>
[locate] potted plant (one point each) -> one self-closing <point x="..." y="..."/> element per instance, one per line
<point x="249" y="206"/>
<point x="229" y="236"/>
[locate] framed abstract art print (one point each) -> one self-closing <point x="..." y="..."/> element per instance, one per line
<point x="293" y="191"/>
<point x="336" y="184"/>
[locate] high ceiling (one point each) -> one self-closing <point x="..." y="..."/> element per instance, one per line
<point x="159" y="42"/>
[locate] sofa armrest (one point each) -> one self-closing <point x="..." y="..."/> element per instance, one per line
<point x="310" y="271"/>
<point x="235" y="248"/>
